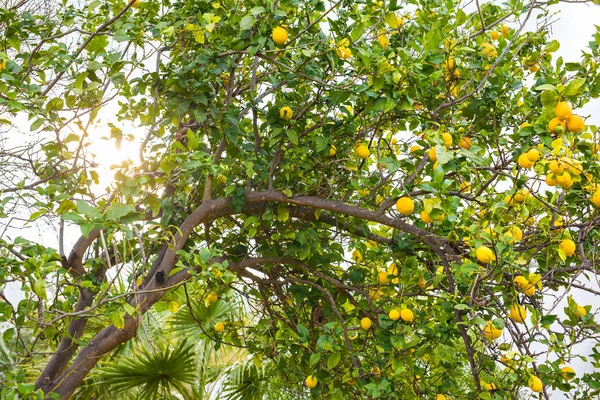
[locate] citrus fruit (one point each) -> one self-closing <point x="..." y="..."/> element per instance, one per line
<point x="405" y="205"/>
<point x="279" y="35"/>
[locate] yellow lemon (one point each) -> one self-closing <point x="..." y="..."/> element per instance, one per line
<point x="382" y="278"/>
<point x="311" y="381"/>
<point x="488" y="50"/>
<point x="580" y="312"/>
<point x="425" y="217"/>
<point x="332" y="151"/>
<point x="362" y="151"/>
<point x="212" y="297"/>
<point x="488" y="386"/>
<point x="494" y="35"/>
<point x="357" y="256"/>
<point x="465" y="143"/>
<point x="557" y="125"/>
<point x="595" y="198"/>
<point x="279" y="35"/>
<point x="447" y="138"/>
<point x="394" y="315"/>
<point x="432" y="155"/>
<point x="286" y="113"/>
<point x="533" y="155"/>
<point x="407" y="315"/>
<point x="505" y="30"/>
<point x="563" y="110"/>
<point x="365" y="323"/>
<point x="405" y="205"/>
<point x="440" y="397"/>
<point x="219" y="327"/>
<point x="575" y="124"/>
<point x="564" y="180"/>
<point x="568" y="246"/>
<point x="344" y="52"/>
<point x="556" y="167"/>
<point x="524" y="162"/>
<point x="484" y="254"/>
<point x="535" y="384"/>
<point x="136" y="4"/>
<point x="567" y="373"/>
<point x="551" y="180"/>
<point x="521" y="196"/>
<point x="518" y="313"/>
<point x="490" y="331"/>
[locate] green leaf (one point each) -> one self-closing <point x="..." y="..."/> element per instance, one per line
<point x="303" y="333"/>
<point x="545" y="86"/>
<point x="247" y="22"/>
<point x="333" y="360"/>
<point x="433" y="38"/>
<point x="39" y="287"/>
<point x="573" y="87"/>
<point x="118" y="319"/>
<point x="117" y="211"/>
<point x="192" y="140"/>
<point x="549" y="98"/>
<point x="83" y="207"/>
<point x="392" y="20"/>
<point x="37" y="124"/>
<point x="238" y="199"/>
<point x="314" y="358"/>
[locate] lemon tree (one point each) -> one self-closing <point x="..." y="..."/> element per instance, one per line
<point x="371" y="199"/>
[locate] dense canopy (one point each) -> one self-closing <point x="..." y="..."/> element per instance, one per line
<point x="331" y="199"/>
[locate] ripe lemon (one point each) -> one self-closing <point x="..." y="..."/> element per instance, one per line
<point x="425" y="217"/>
<point x="595" y="198"/>
<point x="440" y="397"/>
<point x="529" y="291"/>
<point x="557" y="126"/>
<point x="136" y="4"/>
<point x="484" y="254"/>
<point x="449" y="63"/>
<point x="535" y="384"/>
<point x="567" y="373"/>
<point x="414" y="148"/>
<point x="405" y="205"/>
<point x="407" y="315"/>
<point x="575" y="124"/>
<point x="563" y="110"/>
<point x="465" y="187"/>
<point x="534" y="67"/>
<point x="518" y="314"/>
<point x="357" y="256"/>
<point x="311" y="381"/>
<point x="279" y="35"/>
<point x="382" y="278"/>
<point x="286" y="113"/>
<point x="551" y="181"/>
<point x="212" y="297"/>
<point x="568" y="246"/>
<point x="521" y="281"/>
<point x="489" y="386"/>
<point x="505" y="30"/>
<point x="494" y="35"/>
<point x="524" y="125"/>
<point x="564" y="180"/>
<point x="219" y="327"/>
<point x="533" y="155"/>
<point x="362" y="151"/>
<point x="488" y="50"/>
<point x="332" y="151"/>
<point x="365" y="323"/>
<point x="490" y="331"/>
<point x="383" y="41"/>
<point x="514" y="234"/>
<point x="447" y="137"/>
<point x="344" y="52"/>
<point x="465" y="143"/>
<point x="556" y="167"/>
<point x="524" y="162"/>
<point x="394" y="315"/>
<point x="521" y="196"/>
<point x="580" y="312"/>
<point x="432" y="155"/>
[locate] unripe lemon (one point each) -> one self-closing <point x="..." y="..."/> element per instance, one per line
<point x="568" y="246"/>
<point x="564" y="180"/>
<point x="405" y="205"/>
<point x="595" y="198"/>
<point x="365" y="323"/>
<point x="212" y="297"/>
<point x="563" y="110"/>
<point x="432" y="155"/>
<point x="524" y="162"/>
<point x="466" y="143"/>
<point x="219" y="327"/>
<point x="580" y="312"/>
<point x="518" y="314"/>
<point x="394" y="315"/>
<point x="279" y="35"/>
<point x="533" y="155"/>
<point x="535" y="384"/>
<point x="490" y="331"/>
<point x="575" y="124"/>
<point x="484" y="254"/>
<point x="447" y="139"/>
<point x="407" y="315"/>
<point x="286" y="113"/>
<point x="332" y="151"/>
<point x="425" y="217"/>
<point x="311" y="381"/>
<point x="555" y="123"/>
<point x="362" y="151"/>
<point x="567" y="373"/>
<point x="494" y="35"/>
<point x="556" y="167"/>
